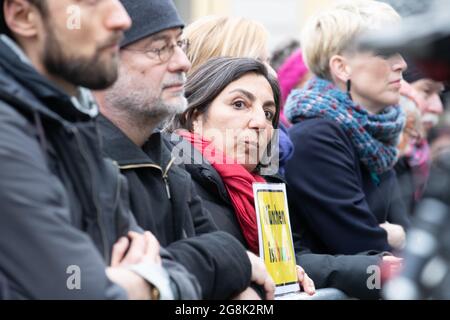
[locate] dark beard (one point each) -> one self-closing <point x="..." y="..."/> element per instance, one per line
<point x="90" y="73"/>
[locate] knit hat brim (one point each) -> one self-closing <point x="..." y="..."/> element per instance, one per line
<point x="149" y="17"/>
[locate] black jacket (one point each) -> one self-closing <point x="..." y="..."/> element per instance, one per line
<point x="4" y="295"/>
<point x="62" y="204"/>
<point x="406" y="183"/>
<point x="165" y="202"/>
<point x="347" y="273"/>
<point x="336" y="202"/>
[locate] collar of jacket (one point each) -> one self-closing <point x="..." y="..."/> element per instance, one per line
<point x="206" y="175"/>
<point x="209" y="178"/>
<point x="20" y="83"/>
<point x="127" y="155"/>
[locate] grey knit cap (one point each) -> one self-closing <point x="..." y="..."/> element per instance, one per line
<point x="149" y="17"/>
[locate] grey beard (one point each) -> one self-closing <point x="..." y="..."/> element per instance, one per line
<point x="142" y="111"/>
<point x="162" y="111"/>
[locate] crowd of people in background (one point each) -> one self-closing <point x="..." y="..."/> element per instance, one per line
<point x="91" y="119"/>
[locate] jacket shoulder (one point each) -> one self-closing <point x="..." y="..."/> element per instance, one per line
<point x="324" y="136"/>
<point x="319" y="128"/>
<point x="9" y="114"/>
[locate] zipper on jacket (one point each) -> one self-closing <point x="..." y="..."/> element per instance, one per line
<point x="164" y="173"/>
<point x="97" y="206"/>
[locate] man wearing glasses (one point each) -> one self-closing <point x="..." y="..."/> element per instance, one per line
<point x="150" y="88"/>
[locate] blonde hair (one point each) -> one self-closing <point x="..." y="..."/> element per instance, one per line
<point x="330" y="32"/>
<point x="222" y="36"/>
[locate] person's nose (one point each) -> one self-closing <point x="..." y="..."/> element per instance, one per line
<point x="117" y="17"/>
<point x="258" y="119"/>
<point x="435" y="104"/>
<point x="399" y="64"/>
<point x="179" y="61"/>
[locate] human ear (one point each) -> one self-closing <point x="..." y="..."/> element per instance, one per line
<point x="21" y="17"/>
<point x="339" y="68"/>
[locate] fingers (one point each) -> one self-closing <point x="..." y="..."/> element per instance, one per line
<point x="305" y="281"/>
<point x="390" y="267"/>
<point x="261" y="276"/>
<point x="118" y="251"/>
<point x="392" y="259"/>
<point x="136" y="250"/>
<point x="141" y="248"/>
<point x="395" y="263"/>
<point x="152" y="248"/>
<point x="308" y="285"/>
<point x="300" y="274"/>
<point x="135" y="286"/>
<point x="269" y="287"/>
<point x="259" y="271"/>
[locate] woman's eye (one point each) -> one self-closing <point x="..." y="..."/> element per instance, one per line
<point x="269" y="115"/>
<point x="239" y="104"/>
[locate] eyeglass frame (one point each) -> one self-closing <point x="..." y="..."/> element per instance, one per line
<point x="183" y="44"/>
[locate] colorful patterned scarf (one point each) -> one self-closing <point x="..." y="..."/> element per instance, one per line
<point x="375" y="136"/>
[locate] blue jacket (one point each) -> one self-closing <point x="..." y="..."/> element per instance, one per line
<point x="335" y="204"/>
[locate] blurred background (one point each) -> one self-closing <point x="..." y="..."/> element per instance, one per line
<point x="284" y="19"/>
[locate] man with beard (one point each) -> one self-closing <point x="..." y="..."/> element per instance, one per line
<point x="149" y="89"/>
<point x="413" y="166"/>
<point x="430" y="92"/>
<point x="66" y="231"/>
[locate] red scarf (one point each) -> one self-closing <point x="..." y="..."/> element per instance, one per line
<point x="238" y="182"/>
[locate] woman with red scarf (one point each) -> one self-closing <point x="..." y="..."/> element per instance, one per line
<point x="228" y="126"/>
<point x="231" y="126"/>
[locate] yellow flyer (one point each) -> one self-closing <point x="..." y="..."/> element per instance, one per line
<point x="275" y="238"/>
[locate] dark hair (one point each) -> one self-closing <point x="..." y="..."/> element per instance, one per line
<point x="209" y="80"/>
<point x="41" y="5"/>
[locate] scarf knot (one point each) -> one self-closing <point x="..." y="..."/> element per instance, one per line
<point x="375" y="136"/>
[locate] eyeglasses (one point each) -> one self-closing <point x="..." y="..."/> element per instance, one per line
<point x="165" y="52"/>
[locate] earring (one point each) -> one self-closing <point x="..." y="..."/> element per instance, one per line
<point x="349" y="87"/>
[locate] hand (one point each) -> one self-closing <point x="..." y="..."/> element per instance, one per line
<point x="305" y="281"/>
<point x="135" y="286"/>
<point x="390" y="267"/>
<point x="247" y="294"/>
<point x="396" y="235"/>
<point x="144" y="248"/>
<point x="261" y="276"/>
